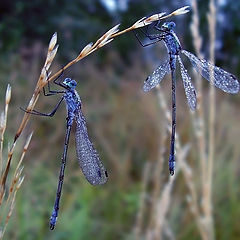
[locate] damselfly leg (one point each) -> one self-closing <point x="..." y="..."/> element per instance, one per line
<point x="51" y="114"/>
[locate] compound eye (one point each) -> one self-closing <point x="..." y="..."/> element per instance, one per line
<point x="67" y="80"/>
<point x="172" y="25"/>
<point x="73" y="83"/>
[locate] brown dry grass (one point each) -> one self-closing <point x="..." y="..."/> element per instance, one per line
<point x="7" y="198"/>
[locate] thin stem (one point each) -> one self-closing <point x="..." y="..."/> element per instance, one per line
<point x="199" y="121"/>
<point x="3" y="123"/>
<point x="157" y="187"/>
<point x="142" y="204"/>
<point x="208" y="204"/>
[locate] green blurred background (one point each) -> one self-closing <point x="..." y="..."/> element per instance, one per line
<point x="125" y="124"/>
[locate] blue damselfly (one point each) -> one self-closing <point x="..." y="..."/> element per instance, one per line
<point x="88" y="157"/>
<point x="219" y="77"/>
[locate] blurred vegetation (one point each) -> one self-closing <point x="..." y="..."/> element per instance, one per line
<point x="124" y="123"/>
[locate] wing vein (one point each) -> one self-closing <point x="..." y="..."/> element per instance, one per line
<point x="88" y="158"/>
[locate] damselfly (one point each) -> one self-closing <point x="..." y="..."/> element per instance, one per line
<point x="88" y="157"/>
<point x="220" y="78"/>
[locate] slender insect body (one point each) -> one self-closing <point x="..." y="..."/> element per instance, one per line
<point x="172" y="43"/>
<point x="88" y="159"/>
<point x="172" y="61"/>
<point x="73" y="101"/>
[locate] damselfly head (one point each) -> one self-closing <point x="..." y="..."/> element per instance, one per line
<point x="168" y="25"/>
<point x="70" y="83"/>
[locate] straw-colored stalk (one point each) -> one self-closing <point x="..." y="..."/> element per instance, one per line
<point x="157" y="183"/>
<point x="160" y="200"/>
<point x="7" y="202"/>
<point x="200" y="133"/>
<point x="90" y="48"/>
<point x="203" y="212"/>
<point x="3" y="124"/>
<point x="207" y="205"/>
<point x="198" y="120"/>
<point x="187" y="173"/>
<point x="164" y="201"/>
<point x="142" y="205"/>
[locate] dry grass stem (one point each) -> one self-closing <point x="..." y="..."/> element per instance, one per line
<point x="142" y="205"/>
<point x="192" y="198"/>
<point x="52" y="49"/>
<point x="3" y="124"/>
<point x="164" y="202"/>
<point x="203" y="211"/>
<point x="10" y="211"/>
<point x="204" y="222"/>
<point x="7" y="204"/>
<point x="158" y="216"/>
<point x="2" y="130"/>
<point x="156" y="17"/>
<point x="207" y="204"/>
<point x="198" y="121"/>
<point x="180" y="11"/>
<point x="199" y="130"/>
<point x="169" y="233"/>
<point x="160" y="205"/>
<point x="157" y="183"/>
<point x="19" y="169"/>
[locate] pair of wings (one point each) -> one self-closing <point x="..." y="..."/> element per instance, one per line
<point x="221" y="79"/>
<point x="88" y="158"/>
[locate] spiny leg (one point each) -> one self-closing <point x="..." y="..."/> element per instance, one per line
<point x="155" y="37"/>
<point x="152" y="36"/>
<point x="53" y="92"/>
<point x="58" y="82"/>
<point x="35" y="112"/>
<point x="156" y="25"/>
<point x="147" y="44"/>
<point x="54" y="215"/>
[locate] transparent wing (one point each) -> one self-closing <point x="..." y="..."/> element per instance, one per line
<point x="222" y="79"/>
<point x="88" y="157"/>
<point x="156" y="77"/>
<point x="188" y="86"/>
